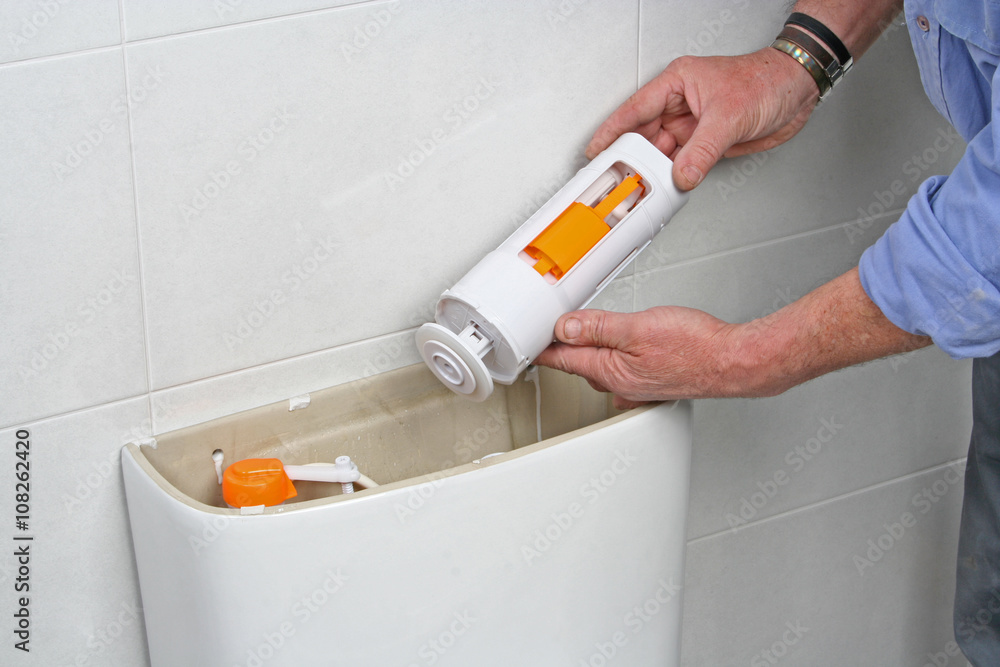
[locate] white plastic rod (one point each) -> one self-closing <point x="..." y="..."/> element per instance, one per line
<point x="322" y="472"/>
<point x="344" y="471"/>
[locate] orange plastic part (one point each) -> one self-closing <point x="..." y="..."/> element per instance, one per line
<point x="252" y="482"/>
<point x="577" y="229"/>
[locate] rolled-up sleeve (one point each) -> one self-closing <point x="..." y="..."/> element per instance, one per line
<point x="936" y="271"/>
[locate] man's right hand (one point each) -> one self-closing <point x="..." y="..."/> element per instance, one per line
<point x="700" y="109"/>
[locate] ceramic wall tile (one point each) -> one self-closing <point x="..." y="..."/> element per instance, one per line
<point x="35" y="28"/>
<point x="69" y="277"/>
<point x="82" y="586"/>
<point x="297" y="192"/>
<point x="866" y="579"/>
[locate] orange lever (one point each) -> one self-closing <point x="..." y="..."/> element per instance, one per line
<point x="577" y="229"/>
<point x="617" y="196"/>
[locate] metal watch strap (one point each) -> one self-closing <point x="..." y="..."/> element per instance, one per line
<point x="805" y="59"/>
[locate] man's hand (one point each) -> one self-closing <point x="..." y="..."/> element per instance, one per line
<point x="673" y="352"/>
<point x="700" y="109"/>
<point x="697" y="111"/>
<point x="661" y="353"/>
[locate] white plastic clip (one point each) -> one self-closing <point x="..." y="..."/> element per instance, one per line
<point x="299" y="402"/>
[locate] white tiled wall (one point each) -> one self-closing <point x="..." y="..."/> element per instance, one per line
<point x="212" y="206"/>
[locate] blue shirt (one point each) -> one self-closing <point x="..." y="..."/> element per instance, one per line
<point x="936" y="271"/>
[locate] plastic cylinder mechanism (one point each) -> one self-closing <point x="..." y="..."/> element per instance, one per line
<point x="494" y="321"/>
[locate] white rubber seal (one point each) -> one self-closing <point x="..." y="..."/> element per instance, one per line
<point x="458" y="367"/>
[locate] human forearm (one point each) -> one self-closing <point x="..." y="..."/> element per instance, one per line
<point x="672" y="352"/>
<point x="832" y="327"/>
<point x="857" y="23"/>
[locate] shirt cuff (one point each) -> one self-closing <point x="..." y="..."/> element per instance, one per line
<point x="923" y="284"/>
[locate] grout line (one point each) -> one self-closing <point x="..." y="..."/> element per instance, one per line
<point x="638" y="45"/>
<point x="150" y="393"/>
<point x="254" y="21"/>
<point x="125" y="42"/>
<point x="121" y="22"/>
<point x="304" y="355"/>
<point x="140" y="273"/>
<point x="820" y="503"/>
<point x="57" y="56"/>
<point x="45" y="419"/>
<point x="763" y="244"/>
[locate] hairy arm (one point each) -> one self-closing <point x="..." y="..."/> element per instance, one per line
<point x="672" y="352"/>
<point x="858" y="23"/>
<point x="832" y="327"/>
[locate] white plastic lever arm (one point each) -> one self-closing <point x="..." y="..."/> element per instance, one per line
<point x="321" y="472"/>
<point x="342" y="472"/>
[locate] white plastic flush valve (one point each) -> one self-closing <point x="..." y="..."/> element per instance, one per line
<point x="494" y="321"/>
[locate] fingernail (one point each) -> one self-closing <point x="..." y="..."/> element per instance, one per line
<point x="572" y="328"/>
<point x="693" y="174"/>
